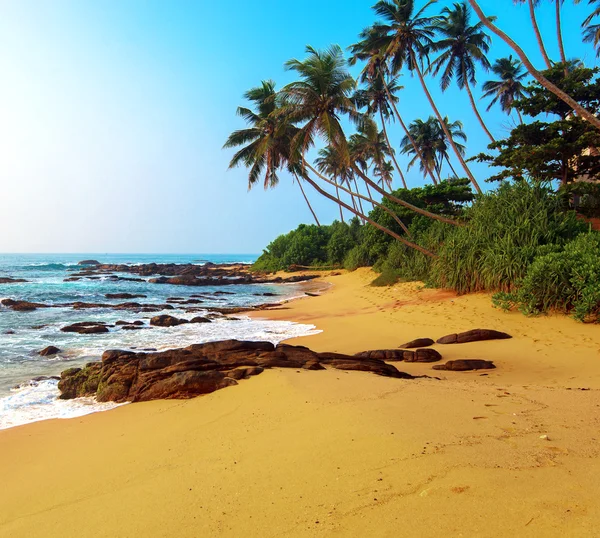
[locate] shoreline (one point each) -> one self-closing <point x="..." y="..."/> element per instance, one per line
<point x="328" y="453"/>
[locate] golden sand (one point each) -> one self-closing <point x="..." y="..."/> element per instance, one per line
<point x="512" y="453"/>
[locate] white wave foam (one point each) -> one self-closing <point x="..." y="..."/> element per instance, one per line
<point x="36" y="401"/>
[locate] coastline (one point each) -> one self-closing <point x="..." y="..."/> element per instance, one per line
<point x="333" y="453"/>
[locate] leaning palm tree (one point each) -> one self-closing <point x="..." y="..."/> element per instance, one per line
<point x="409" y="36"/>
<point x="455" y="128"/>
<point x="320" y="98"/>
<point x="371" y="50"/>
<point x="509" y="87"/>
<point x="333" y="164"/>
<point x="426" y="135"/>
<point x="374" y="97"/>
<point x="266" y="141"/>
<point x="462" y="47"/>
<point x="369" y="144"/>
<point x="544" y="82"/>
<point x="536" y="29"/>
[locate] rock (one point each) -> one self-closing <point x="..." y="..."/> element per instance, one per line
<point x="22" y="306"/>
<point x="422" y="355"/>
<point x="419" y="342"/>
<point x="389" y="355"/>
<point x="50" y="350"/>
<point x="200" y="319"/>
<point x="475" y="335"/>
<point x="9" y="331"/>
<point x="9" y="280"/>
<point x="462" y="365"/>
<point x="166" y="321"/>
<point x="88" y="262"/>
<point x="198" y="369"/>
<point x="131" y="327"/>
<point x="86" y="327"/>
<point x="125" y="296"/>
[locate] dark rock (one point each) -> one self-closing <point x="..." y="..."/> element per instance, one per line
<point x="200" y="319"/>
<point x="86" y="327"/>
<point x="422" y="355"/>
<point x="10" y="331"/>
<point x="88" y="262"/>
<point x="22" y="306"/>
<point x="462" y="365"/>
<point x="9" y="280"/>
<point x="419" y="342"/>
<point x="131" y="327"/>
<point x="198" y="369"/>
<point x="125" y="296"/>
<point x="166" y="321"/>
<point x="475" y="335"/>
<point x="389" y="355"/>
<point x="50" y="350"/>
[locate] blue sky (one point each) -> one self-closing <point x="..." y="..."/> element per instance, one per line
<point x="114" y="113"/>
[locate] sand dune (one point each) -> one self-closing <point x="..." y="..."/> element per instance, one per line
<point x="511" y="453"/>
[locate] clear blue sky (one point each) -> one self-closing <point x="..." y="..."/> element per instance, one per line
<point x="114" y="112"/>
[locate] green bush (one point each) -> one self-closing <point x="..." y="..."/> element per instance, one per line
<point x="505" y="231"/>
<point x="565" y="281"/>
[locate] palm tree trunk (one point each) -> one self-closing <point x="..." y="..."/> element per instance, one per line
<point x="369" y="195"/>
<point x="403" y="240"/>
<point x="476" y="110"/>
<point x="403" y="203"/>
<point x="561" y="45"/>
<point x="532" y="70"/>
<point x="307" y="202"/>
<point x="361" y="196"/>
<point x="538" y="34"/>
<point x="337" y="192"/>
<point x="412" y="140"/>
<point x="451" y="167"/>
<point x="443" y="124"/>
<point x="392" y="152"/>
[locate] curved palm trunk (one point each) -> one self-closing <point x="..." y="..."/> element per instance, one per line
<point x="519" y="114"/>
<point x="532" y="70"/>
<point x="359" y="196"/>
<point x="370" y="221"/>
<point x="337" y="193"/>
<point x="403" y="203"/>
<point x="392" y="152"/>
<point x="443" y="124"/>
<point x="559" y="37"/>
<point x="370" y="195"/>
<point x="307" y="202"/>
<point x="412" y="140"/>
<point x="538" y="34"/>
<point x="476" y="110"/>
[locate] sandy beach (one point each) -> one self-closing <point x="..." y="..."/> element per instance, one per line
<point x="512" y="451"/>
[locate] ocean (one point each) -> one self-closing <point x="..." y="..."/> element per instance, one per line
<point x="24" y="334"/>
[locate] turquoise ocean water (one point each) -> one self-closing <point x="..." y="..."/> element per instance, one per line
<point x="23" y="334"/>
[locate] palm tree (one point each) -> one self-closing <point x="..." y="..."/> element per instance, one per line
<point x="591" y="32"/>
<point x="320" y="98"/>
<point x="369" y="144"/>
<point x="331" y="163"/>
<point x="510" y="86"/>
<point x="544" y="82"/>
<point x="561" y="45"/>
<point x="409" y="37"/>
<point x="426" y="135"/>
<point x="433" y="142"/>
<point x="538" y="35"/>
<point x="371" y="50"/>
<point x="266" y="142"/>
<point x="463" y="46"/>
<point x="374" y="97"/>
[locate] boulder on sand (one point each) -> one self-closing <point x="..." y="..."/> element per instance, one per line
<point x="463" y="365"/>
<point x="475" y="335"/>
<point x="418" y="342"/>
